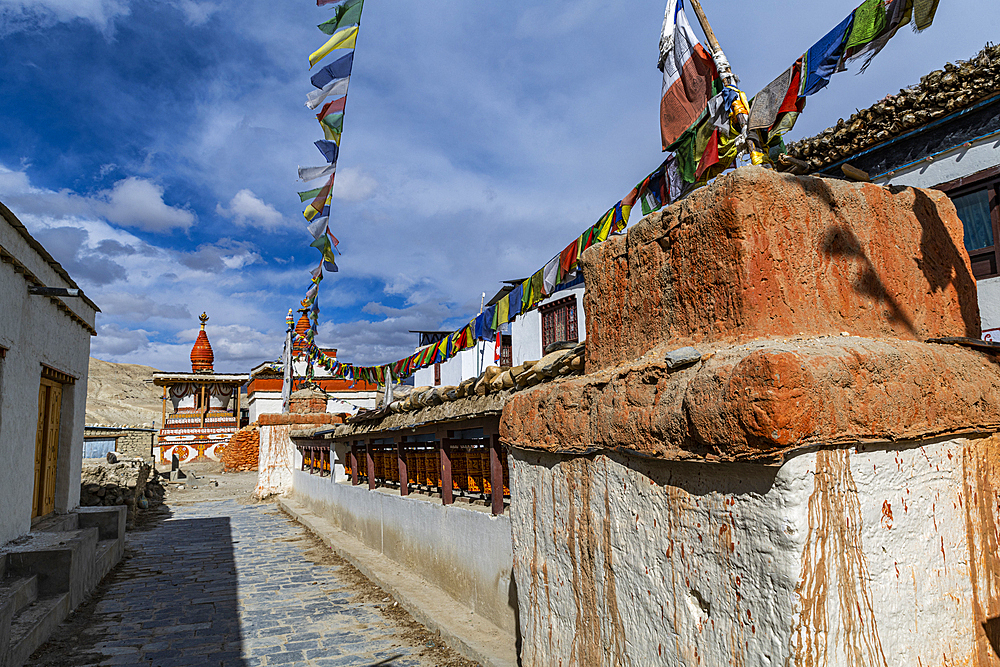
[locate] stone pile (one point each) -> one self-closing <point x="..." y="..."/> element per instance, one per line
<point x="126" y="482"/>
<point x="938" y="94"/>
<point x="242" y="451"/>
<point x="494" y="379"/>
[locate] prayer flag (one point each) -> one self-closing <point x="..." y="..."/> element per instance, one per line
<point x="329" y="149"/>
<point x="323" y="245"/>
<point x="767" y="102"/>
<point x="343" y="39"/>
<point x="923" y="13"/>
<point x="496" y="349"/>
<point x="333" y="106"/>
<point x="338" y="69"/>
<point x="823" y="57"/>
<point x="567" y="259"/>
<point x="309" y="194"/>
<point x="322" y="198"/>
<point x="515" y="298"/>
<point x="550" y="275"/>
<point x="897" y="13"/>
<point x="337" y="88"/>
<point x="348" y="13"/>
<point x="503" y="310"/>
<point x="318" y="227"/>
<point x="869" y="20"/>
<point x="312" y="173"/>
<point x="689" y="75"/>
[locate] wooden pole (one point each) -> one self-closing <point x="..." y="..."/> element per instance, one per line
<point x="725" y="71"/>
<point x="164" y="421"/>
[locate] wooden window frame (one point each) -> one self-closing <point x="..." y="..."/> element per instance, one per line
<point x="570" y="323"/>
<point x="506" y="351"/>
<point x="437" y="375"/>
<point x="989" y="180"/>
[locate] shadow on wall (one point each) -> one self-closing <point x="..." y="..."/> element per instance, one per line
<point x="992" y="628"/>
<point x="840" y="242"/>
<point x="943" y="263"/>
<point x="940" y="260"/>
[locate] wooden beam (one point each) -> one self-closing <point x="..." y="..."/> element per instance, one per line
<point x="447" y="488"/>
<point x="370" y="466"/>
<point x="496" y="474"/>
<point x="404" y="477"/>
<point x="354" y="465"/>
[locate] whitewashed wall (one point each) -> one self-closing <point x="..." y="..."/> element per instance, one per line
<point x="36" y="332"/>
<point x="526" y="330"/>
<point x="839" y="557"/>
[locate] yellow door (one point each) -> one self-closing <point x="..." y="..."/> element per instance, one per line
<point x="47" y="447"/>
<point x="43" y="396"/>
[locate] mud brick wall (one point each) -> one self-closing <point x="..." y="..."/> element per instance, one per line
<point x="761" y="254"/>
<point x="129" y="443"/>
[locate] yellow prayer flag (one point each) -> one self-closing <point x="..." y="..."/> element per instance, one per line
<point x="344" y="39"/>
<point x="503" y="310"/>
<point x="604" y="225"/>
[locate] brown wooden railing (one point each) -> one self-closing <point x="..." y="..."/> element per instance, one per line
<point x="450" y="467"/>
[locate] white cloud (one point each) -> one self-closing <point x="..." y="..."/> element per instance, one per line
<point x="197" y="13"/>
<point x="354" y="185"/>
<point x="136" y="202"/>
<point x="249" y="210"/>
<point x="17" y="15"/>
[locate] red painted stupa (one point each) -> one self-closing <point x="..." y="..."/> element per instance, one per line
<point x="201" y="408"/>
<point x="202" y="357"/>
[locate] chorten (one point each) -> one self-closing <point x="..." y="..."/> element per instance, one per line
<point x="202" y="357"/>
<point x="204" y="406"/>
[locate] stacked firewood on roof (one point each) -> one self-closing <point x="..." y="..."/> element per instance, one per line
<point x="938" y="94"/>
<point x="241" y="453"/>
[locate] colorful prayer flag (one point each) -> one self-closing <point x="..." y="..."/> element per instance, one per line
<point x="345" y="14"/>
<point x="329" y="149"/>
<point x="309" y="194"/>
<point x="823" y="57"/>
<point x="338" y="69"/>
<point x="689" y="75"/>
<point x="312" y="173"/>
<point x="337" y="88"/>
<point x="343" y="39"/>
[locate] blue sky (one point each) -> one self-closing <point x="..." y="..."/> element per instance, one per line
<point x="152" y="147"/>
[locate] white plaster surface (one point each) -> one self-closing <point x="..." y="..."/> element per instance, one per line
<point x="526" y="330"/>
<point x="464" y="551"/>
<point x="269" y="402"/>
<point x="838" y="558"/>
<point x="36" y="332"/>
<point x="276" y="457"/>
<point x="949" y="166"/>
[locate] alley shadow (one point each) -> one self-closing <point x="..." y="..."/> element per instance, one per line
<point x="172" y="601"/>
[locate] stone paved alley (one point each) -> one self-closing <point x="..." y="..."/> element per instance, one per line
<point x="227" y="583"/>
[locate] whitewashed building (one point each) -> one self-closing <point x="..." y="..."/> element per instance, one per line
<point x="556" y="319"/>
<point x="45" y="327"/>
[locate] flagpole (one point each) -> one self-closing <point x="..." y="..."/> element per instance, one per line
<point x="751" y="144"/>
<point x="721" y="64"/>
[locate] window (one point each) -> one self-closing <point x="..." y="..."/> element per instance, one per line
<point x="506" y="352"/>
<point x="976" y="201"/>
<point x="559" y="321"/>
<point x="437" y="374"/>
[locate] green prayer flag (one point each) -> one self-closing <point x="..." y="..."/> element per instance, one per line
<point x="345" y="14"/>
<point x="869" y="22"/>
<point x="309" y="194"/>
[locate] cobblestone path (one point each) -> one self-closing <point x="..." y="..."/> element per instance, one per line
<point x="224" y="583"/>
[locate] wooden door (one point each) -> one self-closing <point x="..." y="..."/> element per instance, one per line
<point x="43" y="399"/>
<point x="47" y="447"/>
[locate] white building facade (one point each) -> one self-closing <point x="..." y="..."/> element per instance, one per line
<point x="44" y="354"/>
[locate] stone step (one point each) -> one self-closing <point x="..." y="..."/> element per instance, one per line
<point x="33" y="626"/>
<point x="16" y="593"/>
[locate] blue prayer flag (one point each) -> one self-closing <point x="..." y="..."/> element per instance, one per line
<point x="338" y="69"/>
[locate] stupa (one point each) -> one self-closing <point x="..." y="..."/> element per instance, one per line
<point x="204" y="407"/>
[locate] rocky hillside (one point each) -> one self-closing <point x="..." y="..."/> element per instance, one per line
<point x="120" y="394"/>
